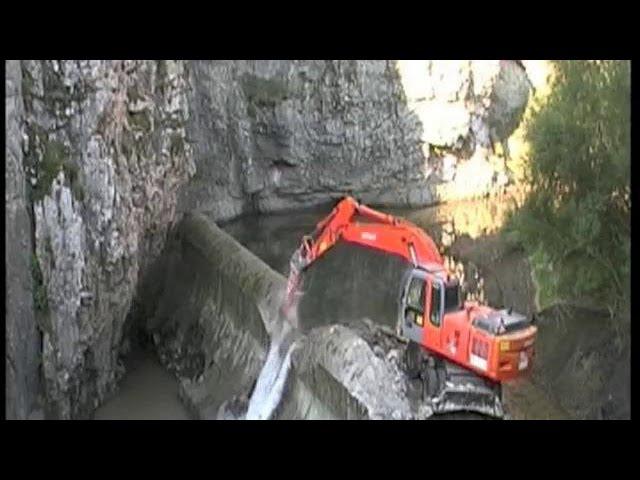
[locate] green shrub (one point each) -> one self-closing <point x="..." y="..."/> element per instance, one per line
<point x="575" y="224"/>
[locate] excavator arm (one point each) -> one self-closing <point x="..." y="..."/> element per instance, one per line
<point x="379" y="230"/>
<point x="376" y="230"/>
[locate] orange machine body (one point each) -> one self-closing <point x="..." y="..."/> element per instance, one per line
<point x="472" y="335"/>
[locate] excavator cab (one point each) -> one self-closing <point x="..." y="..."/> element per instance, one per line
<point x="495" y="343"/>
<point x="425" y="298"/>
<point x="413" y="307"/>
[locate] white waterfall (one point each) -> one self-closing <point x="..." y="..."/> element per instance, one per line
<point x="268" y="390"/>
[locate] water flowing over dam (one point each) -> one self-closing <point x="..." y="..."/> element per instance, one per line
<point x="270" y="384"/>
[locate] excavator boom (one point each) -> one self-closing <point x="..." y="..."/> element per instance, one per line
<point x="379" y="230"/>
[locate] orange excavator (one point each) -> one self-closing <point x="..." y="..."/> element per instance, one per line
<point x="497" y="345"/>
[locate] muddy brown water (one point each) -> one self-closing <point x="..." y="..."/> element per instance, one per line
<point x="147" y="392"/>
<point x="150" y="392"/>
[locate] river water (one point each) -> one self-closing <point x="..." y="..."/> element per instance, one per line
<point x="150" y="392"/>
<point x="147" y="392"/>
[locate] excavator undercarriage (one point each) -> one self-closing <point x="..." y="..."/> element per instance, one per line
<point x="447" y="388"/>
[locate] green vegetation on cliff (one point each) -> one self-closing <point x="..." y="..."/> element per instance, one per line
<point x="40" y="300"/>
<point x="575" y="224"/>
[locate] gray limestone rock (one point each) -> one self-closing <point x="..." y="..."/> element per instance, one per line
<point x="22" y="355"/>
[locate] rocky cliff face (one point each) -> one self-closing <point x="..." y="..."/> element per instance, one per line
<point x="116" y="151"/>
<point x="22" y="338"/>
<point x="105" y="156"/>
<point x="274" y="135"/>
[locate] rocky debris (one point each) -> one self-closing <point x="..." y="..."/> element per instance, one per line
<point x="233" y="409"/>
<point x="376" y="383"/>
<point x="183" y="359"/>
<point x="22" y="355"/>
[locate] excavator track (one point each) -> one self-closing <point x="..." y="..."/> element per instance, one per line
<point x="449" y="389"/>
<point x="460" y="390"/>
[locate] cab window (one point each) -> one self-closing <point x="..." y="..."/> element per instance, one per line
<point x="452" y="296"/>
<point x="415" y="296"/>
<point x="436" y="304"/>
<point x="414" y="311"/>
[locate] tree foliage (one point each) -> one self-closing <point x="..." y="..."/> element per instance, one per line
<point x="575" y="224"/>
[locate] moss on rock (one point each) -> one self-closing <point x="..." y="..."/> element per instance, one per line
<point x="53" y="160"/>
<point x="40" y="300"/>
<point x="140" y="121"/>
<point x="264" y="92"/>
